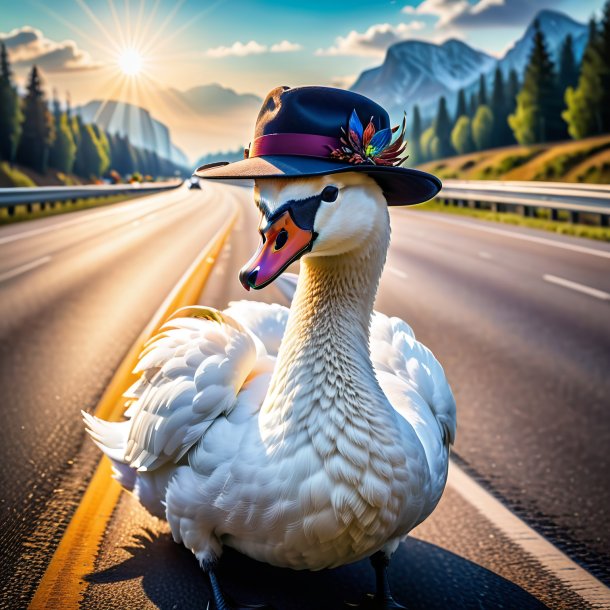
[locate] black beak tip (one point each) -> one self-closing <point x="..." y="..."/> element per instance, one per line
<point x="248" y="278"/>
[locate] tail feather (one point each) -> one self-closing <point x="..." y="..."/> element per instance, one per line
<point x="110" y="437"/>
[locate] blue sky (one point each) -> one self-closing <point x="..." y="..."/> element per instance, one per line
<point x="332" y="41"/>
<point x="250" y="46"/>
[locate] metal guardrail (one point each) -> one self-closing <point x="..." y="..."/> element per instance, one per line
<point x="527" y="197"/>
<point x="48" y="196"/>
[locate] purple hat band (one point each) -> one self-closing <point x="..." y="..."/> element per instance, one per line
<point x="299" y="144"/>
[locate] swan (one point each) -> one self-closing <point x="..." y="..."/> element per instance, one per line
<point x="308" y="437"/>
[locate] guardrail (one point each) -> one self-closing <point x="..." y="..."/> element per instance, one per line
<point x="527" y="198"/>
<point x="48" y="196"/>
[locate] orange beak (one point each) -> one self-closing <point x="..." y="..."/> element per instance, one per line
<point x="283" y="243"/>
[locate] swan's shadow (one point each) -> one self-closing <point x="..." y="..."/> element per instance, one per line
<point x="422" y="576"/>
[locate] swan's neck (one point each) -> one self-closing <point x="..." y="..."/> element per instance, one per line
<point x="324" y="370"/>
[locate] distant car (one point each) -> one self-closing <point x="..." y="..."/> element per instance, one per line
<point x="194" y="183"/>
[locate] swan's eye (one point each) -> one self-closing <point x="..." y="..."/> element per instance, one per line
<point x="330" y="193"/>
<point x="281" y="239"/>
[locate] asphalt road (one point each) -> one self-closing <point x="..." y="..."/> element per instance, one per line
<point x="75" y="292"/>
<point x="527" y="358"/>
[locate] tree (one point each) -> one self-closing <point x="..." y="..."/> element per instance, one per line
<point x="460" y="108"/>
<point x="104" y="146"/>
<point x="604" y="45"/>
<point x="63" y="150"/>
<point x="502" y="133"/>
<point x="512" y="90"/>
<point x="568" y="71"/>
<point x="10" y="111"/>
<point x="482" y="128"/>
<point x="442" y="130"/>
<point x="415" y="155"/>
<point x="584" y="111"/>
<point x="428" y="142"/>
<point x="482" y="96"/>
<point x="461" y="136"/>
<point x="472" y="106"/>
<point x="38" y="129"/>
<point x="537" y="117"/>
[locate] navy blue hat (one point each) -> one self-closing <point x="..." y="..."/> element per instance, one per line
<point x="312" y="131"/>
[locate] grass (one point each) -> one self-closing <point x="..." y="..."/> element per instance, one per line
<point x="586" y="160"/>
<point x="11" y="176"/>
<point x="564" y="228"/>
<point x="21" y="211"/>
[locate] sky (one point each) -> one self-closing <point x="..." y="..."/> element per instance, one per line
<point x="87" y="46"/>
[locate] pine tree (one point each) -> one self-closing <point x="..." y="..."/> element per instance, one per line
<point x="472" y="106"/>
<point x="428" y="143"/>
<point x="415" y="155"/>
<point x="604" y="45"/>
<point x="63" y="151"/>
<point x="537" y="117"/>
<point x="461" y="136"/>
<point x="482" y="96"/>
<point x="512" y="91"/>
<point x="584" y="114"/>
<point x="38" y="129"/>
<point x="90" y="156"/>
<point x="502" y="134"/>
<point x="482" y="128"/>
<point x="442" y="130"/>
<point x="10" y="111"/>
<point x="568" y="71"/>
<point x="460" y="108"/>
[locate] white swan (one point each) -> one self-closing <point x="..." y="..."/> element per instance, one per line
<point x="306" y="438"/>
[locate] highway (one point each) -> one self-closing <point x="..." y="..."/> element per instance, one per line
<point x="519" y="319"/>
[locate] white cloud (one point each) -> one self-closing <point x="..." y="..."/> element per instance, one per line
<point x="445" y="10"/>
<point x="285" y="47"/>
<point x="240" y="49"/>
<point x="27" y="46"/>
<point x="373" y="42"/>
<point x="483" y="13"/>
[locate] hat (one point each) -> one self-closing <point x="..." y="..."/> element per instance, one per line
<point x="311" y="131"/>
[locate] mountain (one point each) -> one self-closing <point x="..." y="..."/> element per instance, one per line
<point x="555" y="26"/>
<point x="416" y="72"/>
<point x="216" y="99"/>
<point x="127" y="119"/>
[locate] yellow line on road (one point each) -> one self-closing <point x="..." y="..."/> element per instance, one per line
<point x="63" y="584"/>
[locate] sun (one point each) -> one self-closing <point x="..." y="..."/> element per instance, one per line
<point x="130" y="62"/>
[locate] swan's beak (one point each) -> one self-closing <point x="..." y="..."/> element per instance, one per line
<point x="283" y="243"/>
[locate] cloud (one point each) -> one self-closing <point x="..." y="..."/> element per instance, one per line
<point x="373" y="42"/>
<point x="27" y="46"/>
<point x="285" y="47"/>
<point x="240" y="49"/>
<point x="483" y="13"/>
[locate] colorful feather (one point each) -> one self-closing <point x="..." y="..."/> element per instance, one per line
<point x="360" y="145"/>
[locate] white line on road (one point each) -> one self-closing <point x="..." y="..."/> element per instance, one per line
<point x="24" y="268"/>
<point x="594" y="592"/>
<point x="401" y="274"/>
<point x="539" y="240"/>
<point x="594" y="292"/>
<point x="91" y="217"/>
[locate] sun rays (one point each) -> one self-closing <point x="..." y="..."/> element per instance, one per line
<point x="135" y="44"/>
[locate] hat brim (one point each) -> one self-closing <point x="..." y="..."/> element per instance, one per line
<point x="400" y="185"/>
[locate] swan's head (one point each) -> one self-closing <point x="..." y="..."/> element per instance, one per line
<point x="319" y="216"/>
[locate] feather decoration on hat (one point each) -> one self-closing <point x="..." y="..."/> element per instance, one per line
<point x="366" y="145"/>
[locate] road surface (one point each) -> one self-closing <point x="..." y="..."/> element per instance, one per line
<point x="519" y="320"/>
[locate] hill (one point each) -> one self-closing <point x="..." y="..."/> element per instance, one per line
<point x="586" y="160"/>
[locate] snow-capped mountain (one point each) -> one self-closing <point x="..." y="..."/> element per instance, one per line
<point x="127" y="119"/>
<point x="416" y="72"/>
<point x="555" y="27"/>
